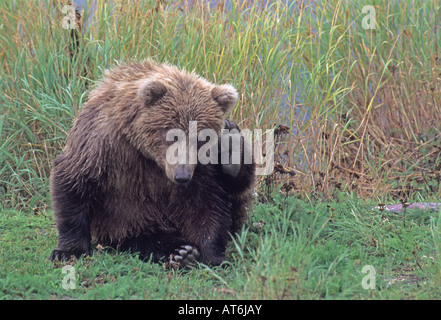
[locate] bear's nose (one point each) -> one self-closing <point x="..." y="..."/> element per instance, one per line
<point x="183" y="173"/>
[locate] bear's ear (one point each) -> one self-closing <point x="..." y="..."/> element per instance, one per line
<point x="151" y="91"/>
<point x="226" y="96"/>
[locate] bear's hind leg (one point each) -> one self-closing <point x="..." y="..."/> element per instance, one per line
<point x="73" y="231"/>
<point x="72" y="211"/>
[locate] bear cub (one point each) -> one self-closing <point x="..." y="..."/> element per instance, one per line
<point x="114" y="183"/>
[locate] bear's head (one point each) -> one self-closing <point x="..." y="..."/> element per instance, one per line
<point x="174" y="107"/>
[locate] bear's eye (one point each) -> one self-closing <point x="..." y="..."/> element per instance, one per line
<point x="171" y="140"/>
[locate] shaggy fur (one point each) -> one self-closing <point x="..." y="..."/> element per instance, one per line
<point x="112" y="183"/>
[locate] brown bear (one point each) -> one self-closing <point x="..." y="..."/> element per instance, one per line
<point x="114" y="184"/>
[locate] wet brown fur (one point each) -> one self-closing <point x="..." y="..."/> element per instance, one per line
<point x="110" y="183"/>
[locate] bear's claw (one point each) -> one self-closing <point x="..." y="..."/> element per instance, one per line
<point x="186" y="257"/>
<point x="228" y="124"/>
<point x="63" y="256"/>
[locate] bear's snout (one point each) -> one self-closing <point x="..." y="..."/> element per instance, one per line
<point x="183" y="173"/>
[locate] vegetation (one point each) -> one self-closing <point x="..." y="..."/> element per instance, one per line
<point x="357" y="121"/>
<point x="291" y="249"/>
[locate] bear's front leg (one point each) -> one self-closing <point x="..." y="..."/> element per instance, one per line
<point x="201" y="214"/>
<point x="72" y="214"/>
<point x="236" y="159"/>
<point x="231" y="147"/>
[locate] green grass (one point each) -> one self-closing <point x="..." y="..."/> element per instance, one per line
<point x="300" y="250"/>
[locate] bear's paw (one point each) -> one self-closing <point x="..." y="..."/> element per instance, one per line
<point x="186" y="256"/>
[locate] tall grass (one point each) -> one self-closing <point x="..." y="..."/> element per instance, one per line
<point x="362" y="106"/>
<point x="376" y="95"/>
